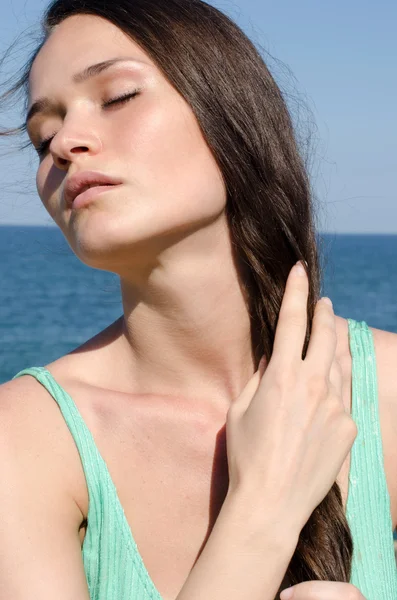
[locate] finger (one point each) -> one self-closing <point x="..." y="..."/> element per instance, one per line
<point x="292" y="321"/>
<point x="322" y="344"/>
<point x="326" y="590"/>
<point x="336" y="377"/>
<point x="244" y="398"/>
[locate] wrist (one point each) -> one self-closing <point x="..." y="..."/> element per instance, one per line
<point x="261" y="523"/>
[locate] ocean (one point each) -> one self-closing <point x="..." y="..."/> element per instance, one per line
<point x="50" y="302"/>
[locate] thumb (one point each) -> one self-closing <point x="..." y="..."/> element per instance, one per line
<point x="247" y="393"/>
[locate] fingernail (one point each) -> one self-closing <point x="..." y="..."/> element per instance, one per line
<point x="287" y="594"/>
<point x="299" y="268"/>
<point x="327" y="300"/>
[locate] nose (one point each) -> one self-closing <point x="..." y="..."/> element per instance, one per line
<point x="68" y="143"/>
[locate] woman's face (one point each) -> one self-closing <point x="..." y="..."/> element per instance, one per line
<point x="150" y="142"/>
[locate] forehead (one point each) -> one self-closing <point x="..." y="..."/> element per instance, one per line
<point x="79" y="41"/>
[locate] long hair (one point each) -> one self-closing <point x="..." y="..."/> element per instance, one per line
<point x="247" y="125"/>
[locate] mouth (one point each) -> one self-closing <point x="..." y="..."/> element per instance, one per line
<point x="82" y="182"/>
<point x="89" y="193"/>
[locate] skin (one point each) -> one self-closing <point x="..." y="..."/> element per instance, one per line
<point x="185" y="329"/>
<point x="322" y="590"/>
<point x="164" y="232"/>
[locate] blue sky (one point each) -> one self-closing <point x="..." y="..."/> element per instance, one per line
<point x="342" y="55"/>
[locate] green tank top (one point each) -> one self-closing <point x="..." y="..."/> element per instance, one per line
<point x="113" y="565"/>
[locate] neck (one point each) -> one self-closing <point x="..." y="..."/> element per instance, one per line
<point x="185" y="330"/>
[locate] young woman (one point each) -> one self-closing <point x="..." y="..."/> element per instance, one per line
<point x="161" y="459"/>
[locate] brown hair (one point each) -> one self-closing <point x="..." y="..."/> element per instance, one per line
<point x="247" y="125"/>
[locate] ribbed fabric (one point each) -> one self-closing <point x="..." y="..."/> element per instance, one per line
<point x="112" y="563"/>
<point x="374" y="569"/>
<point x="115" y="569"/>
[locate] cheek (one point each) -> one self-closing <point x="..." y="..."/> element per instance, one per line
<point x="169" y="159"/>
<point x="39" y="180"/>
<point x="42" y="183"/>
<point x="47" y="188"/>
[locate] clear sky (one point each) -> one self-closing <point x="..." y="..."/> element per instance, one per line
<point x="343" y="57"/>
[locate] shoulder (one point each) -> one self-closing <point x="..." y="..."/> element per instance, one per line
<point x="20" y="400"/>
<point x="25" y="406"/>
<point x="35" y="438"/>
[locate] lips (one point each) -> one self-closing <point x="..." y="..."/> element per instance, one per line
<point x="77" y="183"/>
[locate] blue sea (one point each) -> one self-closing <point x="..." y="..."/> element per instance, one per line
<point x="50" y="302"/>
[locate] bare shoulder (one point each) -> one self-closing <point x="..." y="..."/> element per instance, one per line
<point x="39" y="519"/>
<point x="34" y="432"/>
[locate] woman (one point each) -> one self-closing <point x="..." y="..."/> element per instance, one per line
<point x="206" y="210"/>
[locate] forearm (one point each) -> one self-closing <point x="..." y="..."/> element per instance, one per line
<point x="245" y="558"/>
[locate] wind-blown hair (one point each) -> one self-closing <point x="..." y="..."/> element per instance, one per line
<point x="246" y="123"/>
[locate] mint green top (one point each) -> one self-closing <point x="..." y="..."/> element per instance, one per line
<point x="115" y="569"/>
<point x="374" y="569"/>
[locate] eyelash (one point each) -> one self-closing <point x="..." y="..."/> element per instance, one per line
<point x="42" y="147"/>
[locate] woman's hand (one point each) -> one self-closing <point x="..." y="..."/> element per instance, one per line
<point x="322" y="590"/>
<point x="288" y="432"/>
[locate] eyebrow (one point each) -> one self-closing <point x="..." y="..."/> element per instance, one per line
<point x="44" y="104"/>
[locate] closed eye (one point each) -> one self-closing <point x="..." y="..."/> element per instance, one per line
<point x="121" y="99"/>
<point x="42" y="147"/>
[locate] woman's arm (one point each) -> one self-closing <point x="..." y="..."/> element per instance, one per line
<point x="246" y="555"/>
<point x="40" y="549"/>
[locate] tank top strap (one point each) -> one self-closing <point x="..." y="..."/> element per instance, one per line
<point x="91" y="460"/>
<point x="368" y="504"/>
<point x="113" y="565"/>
